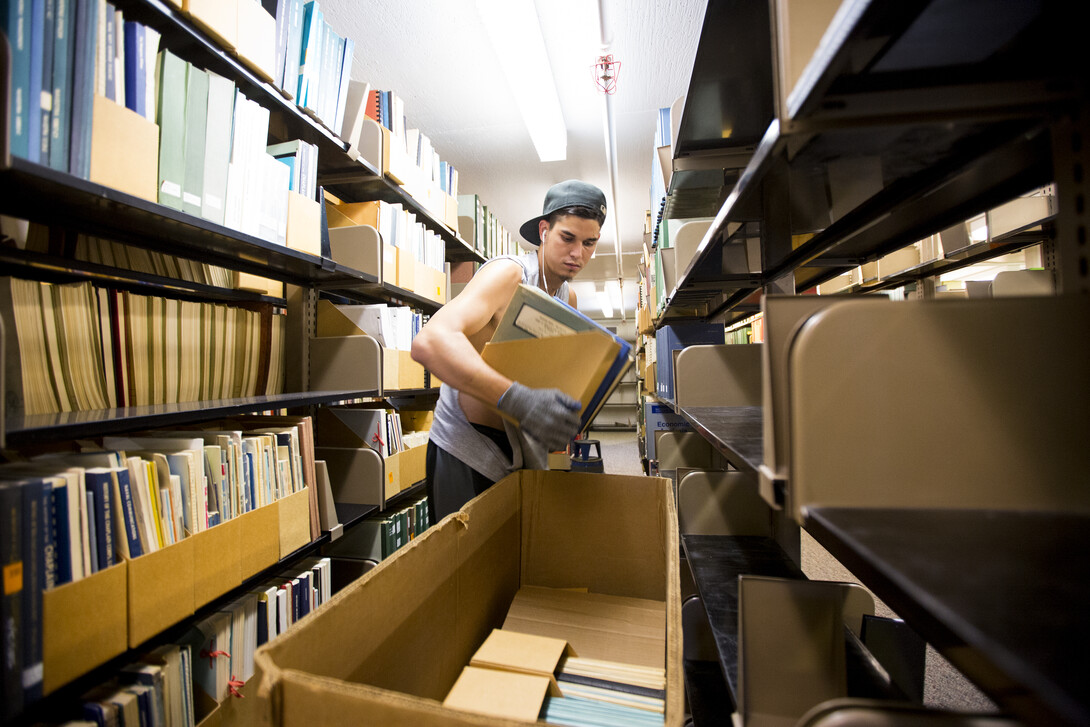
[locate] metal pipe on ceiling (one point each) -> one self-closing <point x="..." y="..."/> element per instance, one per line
<point x="610" y="134"/>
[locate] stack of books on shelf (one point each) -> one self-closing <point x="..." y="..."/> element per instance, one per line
<point x="413" y="160"/>
<point x="156" y="689"/>
<point x="379" y="537"/>
<point x="392" y="327"/>
<point x="482" y="229"/>
<point x="74" y="515"/>
<point x="413" y="256"/>
<point x="78" y="347"/>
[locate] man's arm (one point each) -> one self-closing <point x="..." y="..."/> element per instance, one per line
<point x="443" y="346"/>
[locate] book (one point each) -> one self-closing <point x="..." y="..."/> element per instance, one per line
<point x="60" y="112"/>
<point x="196" y="127"/>
<point x="596" y="364"/>
<point x="172" y="75"/>
<point x="129" y="542"/>
<point x="83" y="87"/>
<point x="45" y="95"/>
<point x="33" y="51"/>
<point x="136" y="70"/>
<point x="35" y="515"/>
<point x="99" y="482"/>
<point x="11" y="610"/>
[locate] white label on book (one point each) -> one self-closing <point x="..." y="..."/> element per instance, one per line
<point x="172" y="189"/>
<point x="190" y="198"/>
<point x="214" y="201"/>
<point x="540" y="325"/>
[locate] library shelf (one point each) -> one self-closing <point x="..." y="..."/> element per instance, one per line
<point x="706" y="692"/>
<point x="933" y="132"/>
<point x="716" y="562"/>
<point x="736" y="431"/>
<point x="994" y="591"/>
<point x="29" y="429"/>
<point x="39" y="266"/>
<point x="33" y="192"/>
<point x="380" y="292"/>
<point x="351" y="513"/>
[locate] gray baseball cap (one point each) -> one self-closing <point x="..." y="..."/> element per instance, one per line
<point x="570" y="193"/>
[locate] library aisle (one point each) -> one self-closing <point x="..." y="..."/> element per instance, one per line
<point x="944" y="686"/>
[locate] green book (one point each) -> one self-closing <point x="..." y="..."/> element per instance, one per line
<point x="171" y="72"/>
<point x="196" y="125"/>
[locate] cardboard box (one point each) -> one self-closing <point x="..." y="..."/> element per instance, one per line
<point x="256" y="39"/>
<point x="360" y="660"/>
<point x="218" y="550"/>
<point x="406" y="272"/>
<point x="391" y="484"/>
<point x="358" y="213"/>
<point x="124" y="150"/>
<point x="450" y="215"/>
<point x="304" y="223"/>
<point x="259" y="284"/>
<point x="431" y="283"/>
<point x="160" y="590"/>
<point x="73" y="643"/>
<point x="217" y="18"/>
<point x="413" y="464"/>
<point x="259" y="539"/>
<point x="391" y="256"/>
<point x="294" y="515"/>
<point x="410" y="374"/>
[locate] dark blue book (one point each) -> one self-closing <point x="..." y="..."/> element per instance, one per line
<point x="45" y="98"/>
<point x="111" y="53"/>
<point x="60" y="125"/>
<point x="124" y="501"/>
<point x="49" y="539"/>
<point x="83" y="87"/>
<point x="262" y="624"/>
<point x="11" y="607"/>
<point x="16" y="26"/>
<point x="34" y="92"/>
<point x="100" y="483"/>
<point x="62" y="535"/>
<point x="34" y="517"/>
<point x="136" y="76"/>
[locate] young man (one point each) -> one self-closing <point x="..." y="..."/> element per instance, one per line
<point x="471" y="446"/>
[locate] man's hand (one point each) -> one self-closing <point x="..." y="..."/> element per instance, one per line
<point x="549" y="415"/>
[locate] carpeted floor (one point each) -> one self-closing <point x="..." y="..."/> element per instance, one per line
<point x="944" y="686"/>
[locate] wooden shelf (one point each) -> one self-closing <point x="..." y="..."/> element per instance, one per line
<point x="1002" y="595"/>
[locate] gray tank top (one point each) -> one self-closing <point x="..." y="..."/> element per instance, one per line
<point x="451" y="431"/>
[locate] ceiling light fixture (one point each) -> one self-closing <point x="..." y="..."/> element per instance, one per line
<point x="607" y="307"/>
<point x="515" y="33"/>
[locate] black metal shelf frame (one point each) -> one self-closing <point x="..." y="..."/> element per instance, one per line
<point x="30" y="429"/>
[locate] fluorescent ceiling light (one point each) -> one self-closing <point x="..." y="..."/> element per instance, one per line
<point x="607" y="307"/>
<point x="614" y="289"/>
<point x="515" y="33"/>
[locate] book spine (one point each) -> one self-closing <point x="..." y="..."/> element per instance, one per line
<point x="62" y="533"/>
<point x="45" y="96"/>
<point x="61" y="119"/>
<point x="83" y="87"/>
<point x="34" y="518"/>
<point x="128" y="514"/>
<point x="11" y="622"/>
<point x="17" y="28"/>
<point x="34" y="42"/>
<point x="135" y="68"/>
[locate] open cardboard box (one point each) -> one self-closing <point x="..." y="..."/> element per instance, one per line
<point x="388" y="648"/>
<point x="72" y="643"/>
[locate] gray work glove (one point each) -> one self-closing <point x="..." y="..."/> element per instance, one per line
<point x="548" y="415"/>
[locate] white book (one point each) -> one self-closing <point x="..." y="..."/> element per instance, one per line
<point x="217" y="149"/>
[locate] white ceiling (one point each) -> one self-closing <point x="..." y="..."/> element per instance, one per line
<point x="436" y="56"/>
